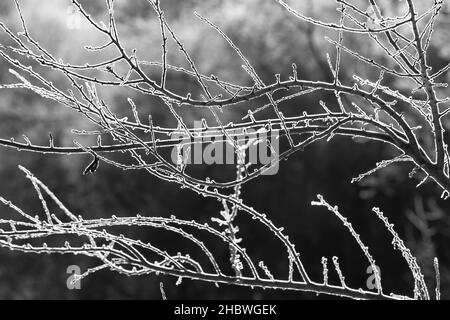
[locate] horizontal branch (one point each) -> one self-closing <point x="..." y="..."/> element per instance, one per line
<point x="170" y="143"/>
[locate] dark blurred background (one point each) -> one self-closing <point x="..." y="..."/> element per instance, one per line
<point x="272" y="40"/>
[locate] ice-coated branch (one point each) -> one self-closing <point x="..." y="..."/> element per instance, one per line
<point x="96" y="238"/>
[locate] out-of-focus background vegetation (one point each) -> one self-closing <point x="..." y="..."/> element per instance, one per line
<point x="272" y="40"/>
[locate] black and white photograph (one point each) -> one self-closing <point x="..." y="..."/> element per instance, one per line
<point x="246" y="152"/>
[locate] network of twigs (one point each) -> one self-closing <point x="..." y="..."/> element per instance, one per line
<point x="364" y="109"/>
